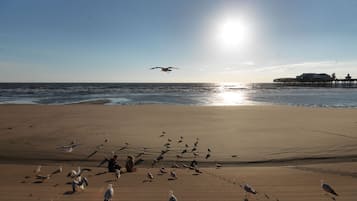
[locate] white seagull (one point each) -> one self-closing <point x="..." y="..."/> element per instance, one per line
<point x="108" y="195"/>
<point x="38" y="169"/>
<point x="117" y="173"/>
<point x="172" y="197"/>
<point x="150" y="176"/>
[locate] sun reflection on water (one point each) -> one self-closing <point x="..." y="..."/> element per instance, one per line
<point x="232" y="94"/>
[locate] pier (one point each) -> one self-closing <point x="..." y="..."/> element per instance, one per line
<point x="315" y="79"/>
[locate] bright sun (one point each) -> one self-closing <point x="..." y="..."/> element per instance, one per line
<point x="232" y="33"/>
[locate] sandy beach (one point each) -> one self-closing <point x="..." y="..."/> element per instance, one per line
<point x="282" y="151"/>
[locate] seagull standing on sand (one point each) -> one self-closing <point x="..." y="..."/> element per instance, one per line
<point x="38" y="169"/>
<point x="108" y="195"/>
<point x="173" y="175"/>
<point x="163" y="170"/>
<point x="326" y="187"/>
<point x="172" y="197"/>
<point x="150" y="176"/>
<point x="117" y="173"/>
<point x="248" y="189"/>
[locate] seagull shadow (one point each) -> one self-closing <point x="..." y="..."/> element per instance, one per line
<point x="101" y="173"/>
<point x="110" y="180"/>
<point x="147" y="180"/>
<point x="37" y="182"/>
<point x="171" y="179"/>
<point x="68" y="193"/>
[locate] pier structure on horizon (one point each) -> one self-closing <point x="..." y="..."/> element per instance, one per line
<point x="318" y="78"/>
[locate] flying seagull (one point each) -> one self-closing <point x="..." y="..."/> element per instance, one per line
<point x="326" y="187"/>
<point x="108" y="195"/>
<point x="164" y="69"/>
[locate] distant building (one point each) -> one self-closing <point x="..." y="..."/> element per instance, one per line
<point x="348" y="77"/>
<point x="309" y="77"/>
<point x="314" y="77"/>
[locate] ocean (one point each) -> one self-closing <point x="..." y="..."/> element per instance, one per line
<point x="205" y="94"/>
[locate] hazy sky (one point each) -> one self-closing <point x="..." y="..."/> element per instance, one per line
<point x="210" y="41"/>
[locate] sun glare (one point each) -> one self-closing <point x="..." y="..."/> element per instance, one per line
<point x="232" y="33"/>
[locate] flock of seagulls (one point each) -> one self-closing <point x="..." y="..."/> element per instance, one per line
<point x="81" y="182"/>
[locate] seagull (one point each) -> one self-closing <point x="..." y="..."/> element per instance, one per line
<point x="173" y="175"/>
<point x="209" y="150"/>
<point x="108" y="195"/>
<point x="184" y="151"/>
<point x="218" y="165"/>
<point x="163" y="134"/>
<point x="326" y="187"/>
<point x="38" y="169"/>
<point x="172" y="197"/>
<point x="150" y="176"/>
<point x="117" y="173"/>
<point x="163" y="170"/>
<point x="208" y="155"/>
<point x="159" y="158"/>
<point x="164" y="151"/>
<point x="247" y="188"/>
<point x="196" y="143"/>
<point x="164" y="69"/>
<point x="198" y="171"/>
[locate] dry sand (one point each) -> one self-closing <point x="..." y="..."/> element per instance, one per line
<point x="282" y="151"/>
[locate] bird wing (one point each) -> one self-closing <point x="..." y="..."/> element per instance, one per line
<point x="171" y="67"/>
<point x="155" y="67"/>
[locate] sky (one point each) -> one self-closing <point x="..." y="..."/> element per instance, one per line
<point x="208" y="40"/>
